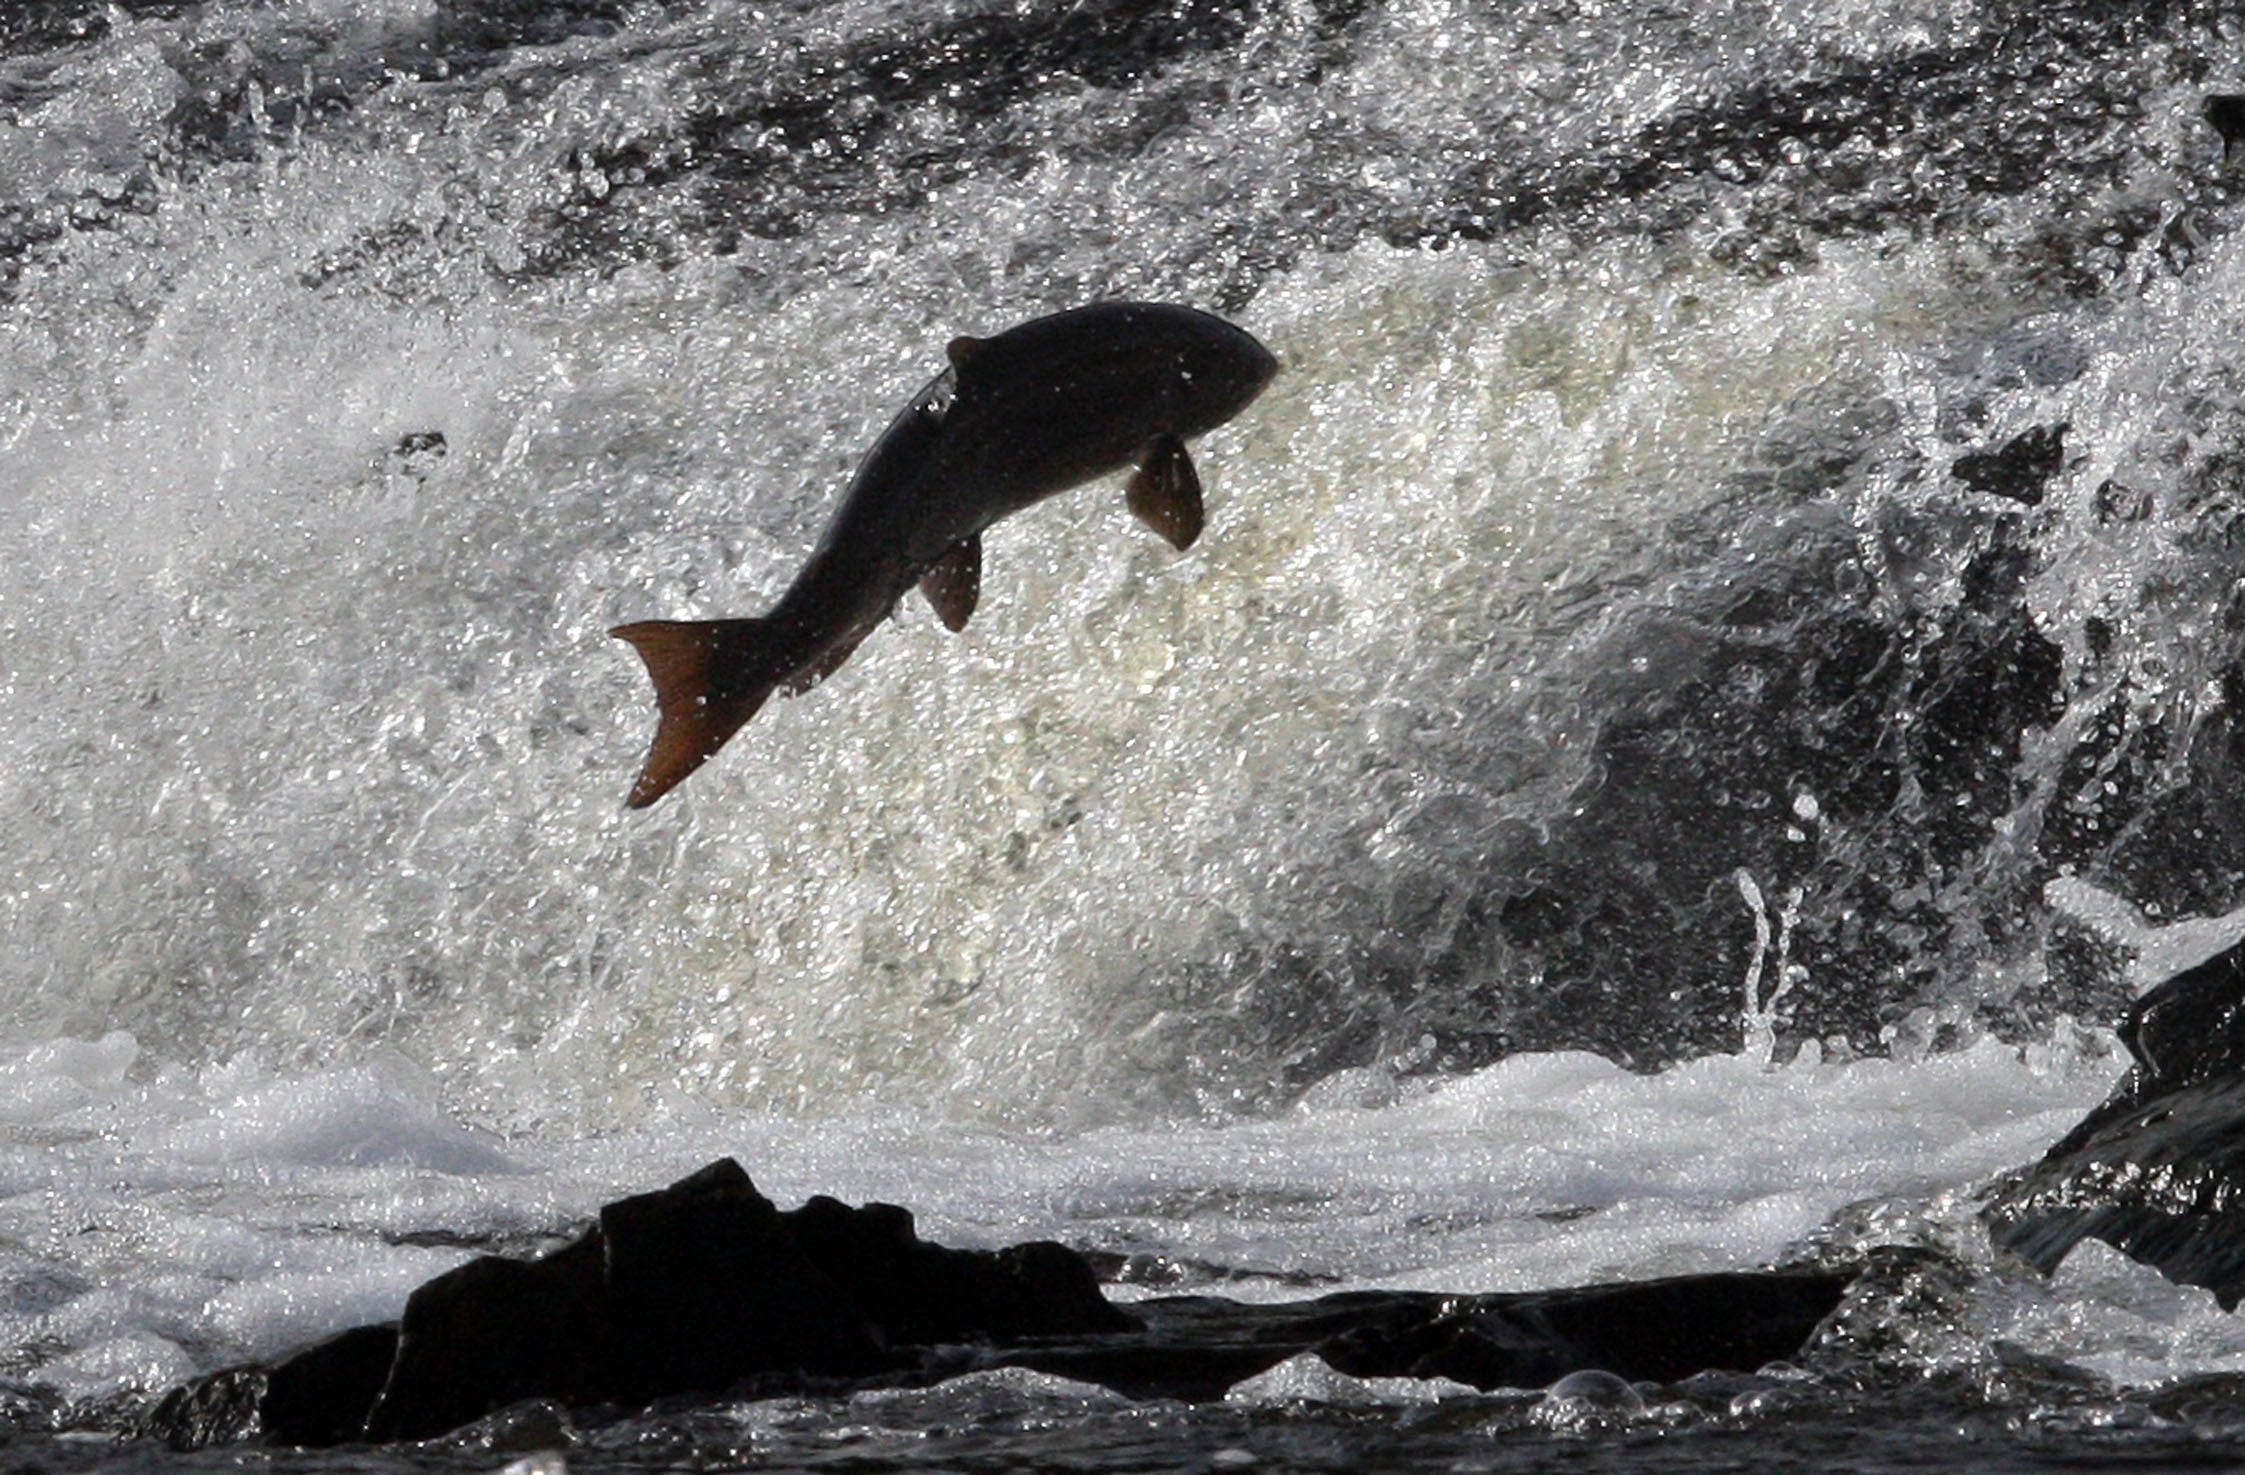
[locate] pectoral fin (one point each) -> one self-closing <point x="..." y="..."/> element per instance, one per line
<point x="954" y="583"/>
<point x="1165" y="492"/>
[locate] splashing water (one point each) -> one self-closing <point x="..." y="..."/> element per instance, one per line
<point x="1605" y="615"/>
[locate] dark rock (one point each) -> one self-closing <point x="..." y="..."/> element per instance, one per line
<point x="319" y="1396"/>
<point x="700" y="1287"/>
<point x="1656" y="1331"/>
<point x="2188" y="1031"/>
<point x="2226" y="111"/>
<point x="2020" y="469"/>
<point x="2191" y="1028"/>
<point x="220" y="1408"/>
<point x="490" y="1333"/>
<point x="2158" y="1170"/>
<point x="2160" y="1184"/>
<point x="922" y="1294"/>
<point x="1041" y="1288"/>
<point x="706" y="1287"/>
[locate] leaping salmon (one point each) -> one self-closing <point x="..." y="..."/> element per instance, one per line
<point x="1039" y="408"/>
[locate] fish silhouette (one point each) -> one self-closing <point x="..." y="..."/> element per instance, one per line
<point x="1040" y="408"/>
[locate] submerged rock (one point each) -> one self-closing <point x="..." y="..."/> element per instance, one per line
<point x="1196" y="1347"/>
<point x="705" y="1287"/>
<point x="2021" y="469"/>
<point x="2158" y="1170"/>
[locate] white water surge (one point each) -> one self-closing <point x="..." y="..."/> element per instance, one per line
<point x="323" y="933"/>
<point x="327" y="757"/>
<point x="160" y="1228"/>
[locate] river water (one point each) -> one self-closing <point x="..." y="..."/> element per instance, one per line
<point x="1711" y="678"/>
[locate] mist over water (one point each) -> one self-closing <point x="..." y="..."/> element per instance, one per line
<point x="1600" y="636"/>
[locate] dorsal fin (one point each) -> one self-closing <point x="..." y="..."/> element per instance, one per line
<point x="953" y="583"/>
<point x="962" y="351"/>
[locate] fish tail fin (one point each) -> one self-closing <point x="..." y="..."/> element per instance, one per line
<point x="707" y="685"/>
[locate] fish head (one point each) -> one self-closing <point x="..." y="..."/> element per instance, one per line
<point x="1220" y="371"/>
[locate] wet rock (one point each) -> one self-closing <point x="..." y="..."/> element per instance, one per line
<point x="700" y="1287"/>
<point x="706" y="1285"/>
<point x="2158" y="1170"/>
<point x="692" y="1289"/>
<point x="2159" y="1184"/>
<point x="490" y="1333"/>
<point x="2226" y="112"/>
<point x="319" y="1396"/>
<point x="1196" y="1347"/>
<point x="2189" y="1029"/>
<point x="216" y="1409"/>
<point x="1656" y="1331"/>
<point x="2020" y="469"/>
<point x="921" y="1293"/>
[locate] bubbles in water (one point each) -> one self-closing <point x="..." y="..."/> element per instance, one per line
<point x="1589" y="1394"/>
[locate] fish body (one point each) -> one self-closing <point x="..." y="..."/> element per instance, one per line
<point x="1016" y="418"/>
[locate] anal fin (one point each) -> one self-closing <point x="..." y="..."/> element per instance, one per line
<point x="953" y="584"/>
<point x="1165" y="492"/>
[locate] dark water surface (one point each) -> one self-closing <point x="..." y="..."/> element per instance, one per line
<point x="1461" y="1436"/>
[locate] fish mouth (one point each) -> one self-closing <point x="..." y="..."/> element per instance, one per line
<point x="1266" y="367"/>
<point x="1263" y="365"/>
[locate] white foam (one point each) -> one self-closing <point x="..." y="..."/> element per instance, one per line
<point x="983" y="1397"/>
<point x="2160" y="952"/>
<point x="47" y="1080"/>
<point x="385" y="1115"/>
<point x="1308" y="1378"/>
<point x="2105" y="1312"/>
<point x="120" y="1365"/>
<point x="201" y="1217"/>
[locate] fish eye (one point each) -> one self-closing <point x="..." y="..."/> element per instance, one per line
<point x="935" y="400"/>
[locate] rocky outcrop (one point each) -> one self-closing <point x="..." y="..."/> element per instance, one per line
<point x="2158" y="1170"/>
<point x="706" y="1288"/>
<point x="700" y="1287"/>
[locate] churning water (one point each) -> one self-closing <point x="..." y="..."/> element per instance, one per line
<point x="1712" y="675"/>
